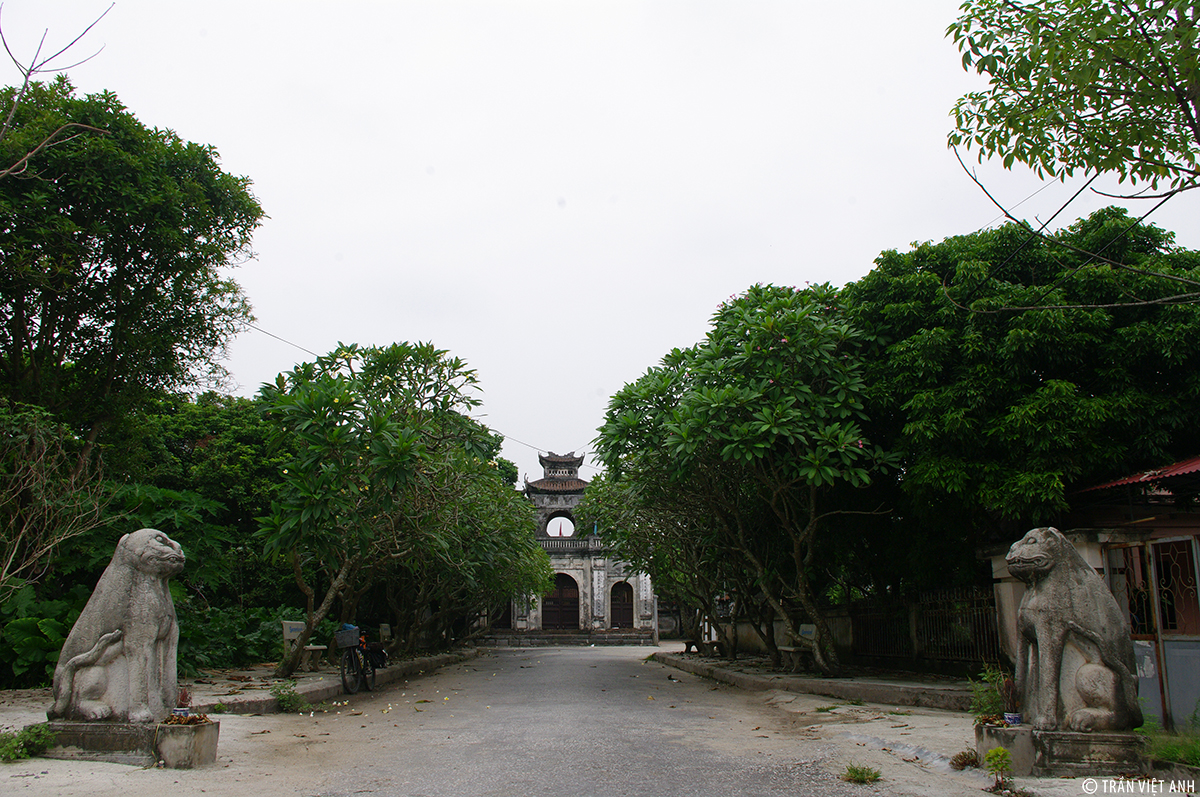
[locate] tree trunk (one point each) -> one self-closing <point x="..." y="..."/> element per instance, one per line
<point x="292" y="661"/>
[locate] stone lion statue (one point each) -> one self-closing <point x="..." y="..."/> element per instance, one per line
<point x="1075" y="666"/>
<point x="118" y="663"/>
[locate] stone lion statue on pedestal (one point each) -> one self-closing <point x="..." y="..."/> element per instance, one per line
<point x="1075" y="666"/>
<point x="118" y="663"/>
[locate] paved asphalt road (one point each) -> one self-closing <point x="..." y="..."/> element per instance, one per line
<point x="587" y="721"/>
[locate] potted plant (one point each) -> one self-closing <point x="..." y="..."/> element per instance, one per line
<point x="183" y="706"/>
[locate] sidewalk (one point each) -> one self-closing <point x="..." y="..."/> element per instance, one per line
<point x="243" y="691"/>
<point x="916" y="689"/>
<point x="907" y="725"/>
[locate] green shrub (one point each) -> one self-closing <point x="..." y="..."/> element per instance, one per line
<point x="999" y="764"/>
<point x="29" y="741"/>
<point x="288" y="700"/>
<point x="32" y="633"/>
<point x="227" y="638"/>
<point x="1182" y="747"/>
<point x="987" y="699"/>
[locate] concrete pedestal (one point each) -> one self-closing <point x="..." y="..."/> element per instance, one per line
<point x="177" y="746"/>
<point x="1054" y="754"/>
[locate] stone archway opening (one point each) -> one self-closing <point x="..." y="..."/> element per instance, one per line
<point x="560" y="607"/>
<point x="621" y="605"/>
<point x="560" y="526"/>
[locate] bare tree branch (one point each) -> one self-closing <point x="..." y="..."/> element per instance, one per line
<point x="39" y="66"/>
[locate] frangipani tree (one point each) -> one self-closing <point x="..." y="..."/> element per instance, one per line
<point x="364" y="420"/>
<point x="762" y="419"/>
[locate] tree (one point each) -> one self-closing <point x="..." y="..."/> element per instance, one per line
<point x="667" y="528"/>
<point x="214" y="451"/>
<point x="113" y="248"/>
<point x="763" y="418"/>
<point x="391" y="480"/>
<point x="1000" y="412"/>
<point x="1088" y="85"/>
<point x="465" y="546"/>
<point x="45" y="499"/>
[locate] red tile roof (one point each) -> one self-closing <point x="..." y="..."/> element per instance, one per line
<point x="1178" y="469"/>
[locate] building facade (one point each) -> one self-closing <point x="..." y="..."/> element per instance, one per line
<point x="592" y="591"/>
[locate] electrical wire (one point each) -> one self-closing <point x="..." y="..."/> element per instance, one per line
<point x="497" y="431"/>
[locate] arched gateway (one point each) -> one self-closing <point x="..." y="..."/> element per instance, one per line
<point x="593" y="593"/>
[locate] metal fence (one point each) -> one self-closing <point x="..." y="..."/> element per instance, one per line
<point x="948" y="625"/>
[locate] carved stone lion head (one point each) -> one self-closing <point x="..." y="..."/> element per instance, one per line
<point x="152" y="552"/>
<point x="1038" y="552"/>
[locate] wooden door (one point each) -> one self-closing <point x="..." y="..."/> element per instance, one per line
<point x="621" y="607"/>
<point x="560" y="608"/>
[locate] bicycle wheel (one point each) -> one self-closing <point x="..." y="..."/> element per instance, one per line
<point x="368" y="670"/>
<point x="350" y="670"/>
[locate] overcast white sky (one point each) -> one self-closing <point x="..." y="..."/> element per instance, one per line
<point x="558" y="192"/>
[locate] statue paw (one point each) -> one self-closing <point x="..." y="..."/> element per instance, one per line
<point x="141" y="715"/>
<point x="1087" y="720"/>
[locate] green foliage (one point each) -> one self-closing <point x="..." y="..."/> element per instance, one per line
<point x="201" y="470"/>
<point x="28" y="742"/>
<point x="113" y="251"/>
<point x="1002" y="384"/>
<point x="33" y="633"/>
<point x="999" y="765"/>
<point x="987" y="700"/>
<point x="861" y="774"/>
<point x="735" y="452"/>
<point x="287" y="699"/>
<point x="394" y="495"/>
<point x="1093" y="85"/>
<point x="211" y="638"/>
<point x="1182" y="747"/>
<point x="219" y="708"/>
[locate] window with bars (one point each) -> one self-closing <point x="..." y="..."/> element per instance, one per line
<point x="1175" y="567"/>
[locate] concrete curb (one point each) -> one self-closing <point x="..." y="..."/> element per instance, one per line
<point x="326" y="687"/>
<point x="951" y="698"/>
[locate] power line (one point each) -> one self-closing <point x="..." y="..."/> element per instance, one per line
<point x="314" y="354"/>
<point x="283" y="340"/>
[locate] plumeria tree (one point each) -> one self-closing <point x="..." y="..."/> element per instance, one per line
<point x="363" y="420"/>
<point x="760" y="421"/>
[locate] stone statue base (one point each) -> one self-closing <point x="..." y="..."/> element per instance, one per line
<point x="142" y="744"/>
<point x="1059" y="754"/>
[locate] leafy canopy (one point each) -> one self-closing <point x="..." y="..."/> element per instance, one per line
<point x="114" y="246"/>
<point x="1089" y="85"/>
<point x="1000" y="411"/>
<point x="737" y="444"/>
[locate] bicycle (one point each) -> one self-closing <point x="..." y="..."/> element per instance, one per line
<point x="358" y="665"/>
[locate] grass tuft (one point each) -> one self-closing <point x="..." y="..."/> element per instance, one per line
<point x="963" y="760"/>
<point x="288" y="699"/>
<point x="861" y="773"/>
